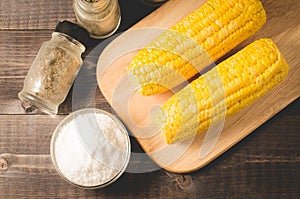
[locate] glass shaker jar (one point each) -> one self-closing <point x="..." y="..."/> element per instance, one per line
<point x="100" y="17"/>
<point x="55" y="67"/>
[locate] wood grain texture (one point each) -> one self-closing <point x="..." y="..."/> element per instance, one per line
<point x="285" y="33"/>
<point x="264" y="165"/>
<point x="42" y="14"/>
<point x="18" y="50"/>
<point x="87" y="96"/>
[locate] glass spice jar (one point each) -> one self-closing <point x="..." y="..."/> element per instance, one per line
<point x="100" y="17"/>
<point x="55" y="67"/>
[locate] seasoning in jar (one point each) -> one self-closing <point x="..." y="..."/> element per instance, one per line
<point x="90" y="148"/>
<point x="55" y="67"/>
<point x="100" y="17"/>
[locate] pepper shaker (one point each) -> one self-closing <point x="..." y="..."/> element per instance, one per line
<point x="100" y="17"/>
<point x="55" y="67"/>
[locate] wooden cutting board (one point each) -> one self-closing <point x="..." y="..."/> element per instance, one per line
<point x="135" y="110"/>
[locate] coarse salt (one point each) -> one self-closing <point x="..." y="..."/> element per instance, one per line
<point x="91" y="149"/>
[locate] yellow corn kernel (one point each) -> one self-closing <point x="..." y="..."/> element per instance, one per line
<point x="245" y="77"/>
<point x="196" y="41"/>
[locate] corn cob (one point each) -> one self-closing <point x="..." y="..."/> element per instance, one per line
<point x="196" y="41"/>
<point x="246" y="76"/>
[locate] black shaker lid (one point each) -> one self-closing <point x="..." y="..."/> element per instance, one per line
<point x="73" y="30"/>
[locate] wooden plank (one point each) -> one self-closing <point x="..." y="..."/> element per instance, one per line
<point x="30" y="14"/>
<point x="10" y="103"/>
<point x="41" y="15"/>
<point x="86" y="95"/>
<point x="18" y="50"/>
<point x="282" y="26"/>
<point x="251" y="169"/>
<point x="27" y="134"/>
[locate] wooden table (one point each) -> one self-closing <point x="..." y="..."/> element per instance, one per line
<point x="266" y="164"/>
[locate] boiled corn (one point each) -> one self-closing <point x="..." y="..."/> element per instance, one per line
<point x="244" y="77"/>
<point x="196" y="41"/>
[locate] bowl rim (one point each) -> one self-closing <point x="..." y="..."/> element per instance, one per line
<point x="69" y="118"/>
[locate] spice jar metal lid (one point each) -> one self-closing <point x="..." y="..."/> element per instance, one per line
<point x="90" y="148"/>
<point x="73" y="30"/>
